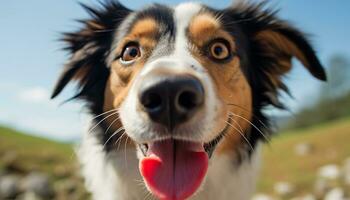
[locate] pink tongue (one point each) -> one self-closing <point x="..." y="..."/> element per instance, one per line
<point x="174" y="170"/>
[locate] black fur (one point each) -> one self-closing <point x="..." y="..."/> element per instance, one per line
<point x="88" y="48"/>
<point x="91" y="45"/>
<point x="245" y="21"/>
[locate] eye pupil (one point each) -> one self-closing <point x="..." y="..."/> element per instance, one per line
<point x="133" y="52"/>
<point x="218" y="50"/>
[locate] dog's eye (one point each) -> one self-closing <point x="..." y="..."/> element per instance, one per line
<point x="130" y="53"/>
<point x="219" y="50"/>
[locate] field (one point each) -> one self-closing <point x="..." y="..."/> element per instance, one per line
<point x="37" y="168"/>
<point x="330" y="145"/>
<point x="33" y="153"/>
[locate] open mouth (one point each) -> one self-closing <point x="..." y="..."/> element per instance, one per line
<point x="208" y="147"/>
<point x="174" y="169"/>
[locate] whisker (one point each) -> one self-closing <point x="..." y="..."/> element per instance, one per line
<point x="119" y="140"/>
<point x="111" y="125"/>
<point x="246" y="110"/>
<point x="126" y="161"/>
<point x="250" y="145"/>
<point x="116" y="109"/>
<point x="266" y="138"/>
<point x="115" y="133"/>
<point x="234" y="121"/>
<point x="101" y="121"/>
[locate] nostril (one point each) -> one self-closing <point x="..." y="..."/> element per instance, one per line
<point x="188" y="100"/>
<point x="152" y="101"/>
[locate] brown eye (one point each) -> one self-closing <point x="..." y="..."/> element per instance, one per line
<point x="130" y="53"/>
<point x="219" y="50"/>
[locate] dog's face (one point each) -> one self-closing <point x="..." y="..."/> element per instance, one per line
<point x="186" y="81"/>
<point x="173" y="77"/>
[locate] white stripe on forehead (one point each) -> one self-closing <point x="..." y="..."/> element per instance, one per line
<point x="183" y="15"/>
<point x="180" y="59"/>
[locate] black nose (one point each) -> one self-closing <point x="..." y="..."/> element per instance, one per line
<point x="171" y="100"/>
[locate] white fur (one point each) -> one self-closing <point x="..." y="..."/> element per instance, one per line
<point x="183" y="15"/>
<point x="227" y="181"/>
<point x="115" y="175"/>
<point x="109" y="176"/>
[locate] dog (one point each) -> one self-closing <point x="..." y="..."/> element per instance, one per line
<point x="177" y="96"/>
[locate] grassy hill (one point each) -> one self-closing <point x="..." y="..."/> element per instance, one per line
<point x="330" y="144"/>
<point x="326" y="110"/>
<point x="26" y="158"/>
<point x="33" y="153"/>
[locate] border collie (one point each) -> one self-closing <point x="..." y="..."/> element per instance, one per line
<point x="177" y="96"/>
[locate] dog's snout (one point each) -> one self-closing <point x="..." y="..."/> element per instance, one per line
<point x="171" y="100"/>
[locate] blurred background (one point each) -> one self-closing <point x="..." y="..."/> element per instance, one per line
<point x="308" y="159"/>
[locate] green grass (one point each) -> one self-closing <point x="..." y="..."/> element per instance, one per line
<point x="331" y="145"/>
<point x="34" y="153"/>
<point x="22" y="154"/>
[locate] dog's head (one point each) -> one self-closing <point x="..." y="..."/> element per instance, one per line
<point x="187" y="82"/>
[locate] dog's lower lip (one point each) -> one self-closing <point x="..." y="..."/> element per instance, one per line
<point x="144" y="148"/>
<point x="208" y="147"/>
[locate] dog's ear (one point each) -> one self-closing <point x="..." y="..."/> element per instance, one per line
<point x="88" y="49"/>
<point x="277" y="40"/>
<point x="282" y="43"/>
<point x="272" y="43"/>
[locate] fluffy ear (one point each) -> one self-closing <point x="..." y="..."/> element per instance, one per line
<point x="285" y="42"/>
<point x="272" y="43"/>
<point x="88" y="48"/>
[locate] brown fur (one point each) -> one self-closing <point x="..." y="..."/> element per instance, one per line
<point x="277" y="43"/>
<point x="121" y="78"/>
<point x="204" y="28"/>
<point x="231" y="85"/>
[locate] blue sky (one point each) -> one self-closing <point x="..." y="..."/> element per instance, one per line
<point x="31" y="59"/>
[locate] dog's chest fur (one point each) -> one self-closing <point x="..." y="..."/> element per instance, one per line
<point x="114" y="175"/>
